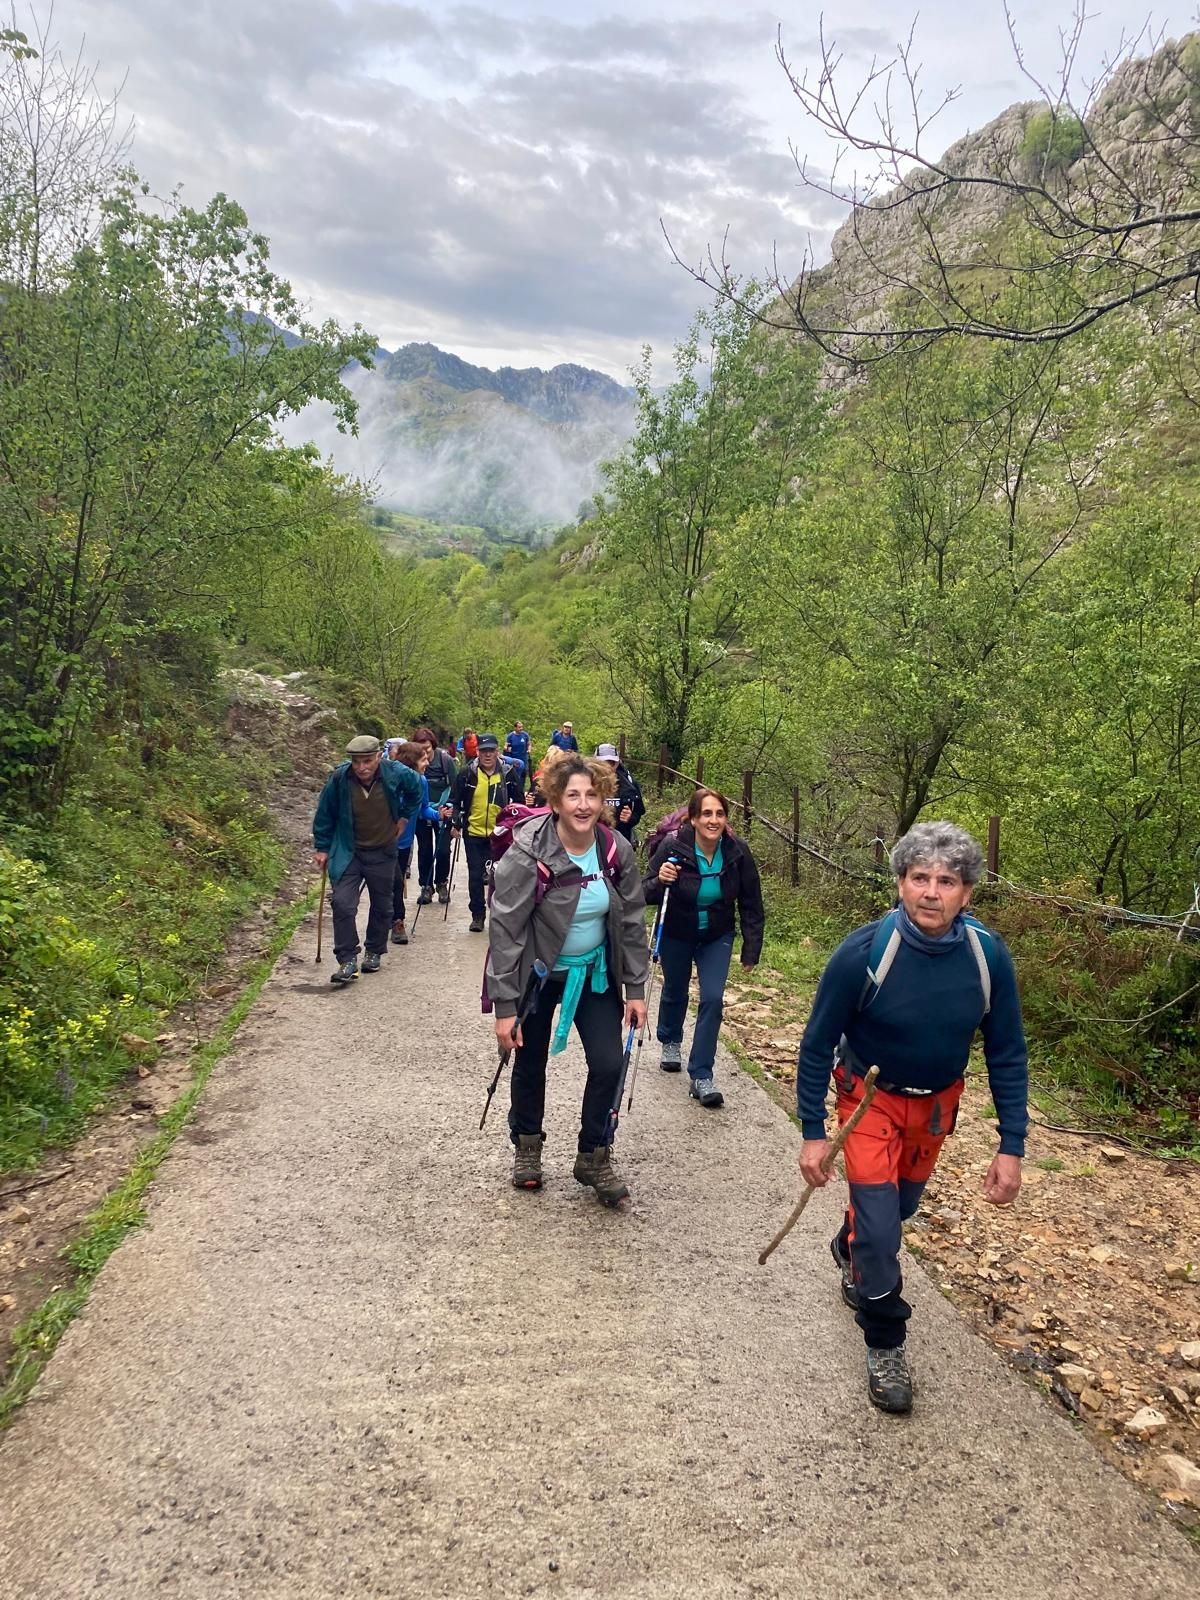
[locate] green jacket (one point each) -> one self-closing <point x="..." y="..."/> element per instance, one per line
<point x="333" y="825"/>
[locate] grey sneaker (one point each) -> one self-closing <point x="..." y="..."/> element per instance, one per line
<point x="347" y="972"/>
<point x="443" y="893"/>
<point x="527" y="1161"/>
<point x="706" y="1091"/>
<point x="849" y="1292"/>
<point x="425" y="897"/>
<point x="889" y="1382"/>
<point x="672" y="1058"/>
<point x="476" y="925"/>
<point x="595" y="1169"/>
<point x="371" y="961"/>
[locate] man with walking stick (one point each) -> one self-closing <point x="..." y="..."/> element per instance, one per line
<point x="362" y="809"/>
<point x="907" y="994"/>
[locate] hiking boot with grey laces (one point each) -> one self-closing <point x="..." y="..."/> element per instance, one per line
<point x="371" y="961"/>
<point x="706" y="1091"/>
<point x="346" y="972"/>
<point x="443" y="893"/>
<point x="672" y="1058"/>
<point x="889" y="1382"/>
<point x="595" y="1169"/>
<point x="849" y="1292"/>
<point x="527" y="1161"/>
<point x="425" y="897"/>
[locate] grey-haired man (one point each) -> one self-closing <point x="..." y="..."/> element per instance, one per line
<point x="907" y="994"/>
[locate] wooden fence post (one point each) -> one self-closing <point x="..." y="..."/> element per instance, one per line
<point x="993" y="849"/>
<point x="747" y="800"/>
<point x="621" y="748"/>
<point x="662" y="763"/>
<point x="796" y="837"/>
<point x="700" y="768"/>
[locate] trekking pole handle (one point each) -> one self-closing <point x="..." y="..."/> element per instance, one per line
<point x="654" y="967"/>
<point x="838" y="1141"/>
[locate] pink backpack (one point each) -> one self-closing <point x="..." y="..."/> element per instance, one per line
<point x="510" y="819"/>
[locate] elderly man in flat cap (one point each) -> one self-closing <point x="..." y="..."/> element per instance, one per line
<point x="362" y="809"/>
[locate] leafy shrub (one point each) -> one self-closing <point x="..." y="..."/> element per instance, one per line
<point x="61" y="1001"/>
<point x="1053" y="140"/>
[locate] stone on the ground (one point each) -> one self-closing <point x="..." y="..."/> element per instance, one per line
<point x="1176" y="1472"/>
<point x="1110" y="1152"/>
<point x="1076" y="1378"/>
<point x="1178" y="1271"/>
<point x="1191" y="1352"/>
<point x="1144" y="1424"/>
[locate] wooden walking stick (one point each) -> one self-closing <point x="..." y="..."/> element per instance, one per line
<point x="839" y="1140"/>
<point x="321" y="912"/>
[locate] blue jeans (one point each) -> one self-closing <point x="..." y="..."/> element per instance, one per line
<point x="712" y="968"/>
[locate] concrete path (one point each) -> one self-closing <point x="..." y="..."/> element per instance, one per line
<point x="346" y="1358"/>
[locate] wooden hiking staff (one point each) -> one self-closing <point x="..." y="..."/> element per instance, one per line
<point x="321" y="912"/>
<point x="839" y="1140"/>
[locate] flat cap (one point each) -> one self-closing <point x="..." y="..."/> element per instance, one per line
<point x="363" y="744"/>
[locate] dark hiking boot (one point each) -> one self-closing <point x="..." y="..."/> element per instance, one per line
<point x="595" y="1169"/>
<point x="443" y="893"/>
<point x="399" y="932"/>
<point x="889" y="1382"/>
<point x="706" y="1091"/>
<point x="371" y="961"/>
<point x="672" y="1058"/>
<point x="527" y="1161"/>
<point x="426" y="896"/>
<point x="346" y="973"/>
<point x="849" y="1292"/>
<point x="476" y="924"/>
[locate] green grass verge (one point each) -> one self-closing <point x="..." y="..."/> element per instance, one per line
<point x="121" y="1211"/>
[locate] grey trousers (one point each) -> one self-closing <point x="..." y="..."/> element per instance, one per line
<point x="377" y="869"/>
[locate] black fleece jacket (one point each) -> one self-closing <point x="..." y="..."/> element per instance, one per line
<point x="740" y="889"/>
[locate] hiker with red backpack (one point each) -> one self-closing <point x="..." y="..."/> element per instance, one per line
<point x="907" y="994"/>
<point x="714" y="883"/>
<point x="481" y="791"/>
<point x="567" y="896"/>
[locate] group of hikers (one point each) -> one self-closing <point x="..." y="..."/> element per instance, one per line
<point x="554" y="878"/>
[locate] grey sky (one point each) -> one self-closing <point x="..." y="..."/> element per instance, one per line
<point x="491" y="177"/>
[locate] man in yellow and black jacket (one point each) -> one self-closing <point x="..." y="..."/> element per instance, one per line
<point x="483" y="788"/>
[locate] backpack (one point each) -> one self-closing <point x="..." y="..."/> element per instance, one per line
<point x="663" y="829"/>
<point x="886" y="943"/>
<point x="511" y="818"/>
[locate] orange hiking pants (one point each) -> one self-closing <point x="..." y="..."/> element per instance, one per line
<point x="889" y="1158"/>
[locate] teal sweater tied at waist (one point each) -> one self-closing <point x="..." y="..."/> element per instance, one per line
<point x="576" y="969"/>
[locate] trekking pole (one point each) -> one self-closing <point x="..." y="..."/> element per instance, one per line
<point x="659" y="924"/>
<point x="839" y="1140"/>
<point x="321" y="911"/>
<point x="537" y="981"/>
<point x="450" y="879"/>
<point x="614" y="1112"/>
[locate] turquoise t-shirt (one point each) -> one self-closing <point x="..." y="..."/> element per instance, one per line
<point x="710" y="885"/>
<point x="589" y="925"/>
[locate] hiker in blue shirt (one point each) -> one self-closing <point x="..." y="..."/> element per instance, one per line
<point x="564" y="737"/>
<point x="907" y="994"/>
<point x="516" y="745"/>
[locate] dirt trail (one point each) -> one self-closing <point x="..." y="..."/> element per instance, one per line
<point x="345" y="1357"/>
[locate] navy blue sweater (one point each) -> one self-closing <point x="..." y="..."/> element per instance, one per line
<point x="918" y="1029"/>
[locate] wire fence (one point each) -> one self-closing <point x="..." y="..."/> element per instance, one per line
<point x="869" y="863"/>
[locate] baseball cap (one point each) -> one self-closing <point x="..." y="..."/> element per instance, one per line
<point x="607" y="752"/>
<point x="363" y="744"/>
<point x="488" y="741"/>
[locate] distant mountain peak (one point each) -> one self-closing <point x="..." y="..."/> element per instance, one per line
<point x="565" y="393"/>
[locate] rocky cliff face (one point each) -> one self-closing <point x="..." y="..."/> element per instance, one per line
<point x="566" y="393"/>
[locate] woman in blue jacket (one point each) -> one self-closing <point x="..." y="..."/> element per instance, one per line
<point x="415" y="756"/>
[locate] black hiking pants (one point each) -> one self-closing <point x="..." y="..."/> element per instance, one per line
<point x="403" y="861"/>
<point x="478" y="854"/>
<point x="598" y="1024"/>
<point x="377" y="869"/>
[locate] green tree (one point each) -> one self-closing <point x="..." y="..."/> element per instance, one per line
<point x="724" y="442"/>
